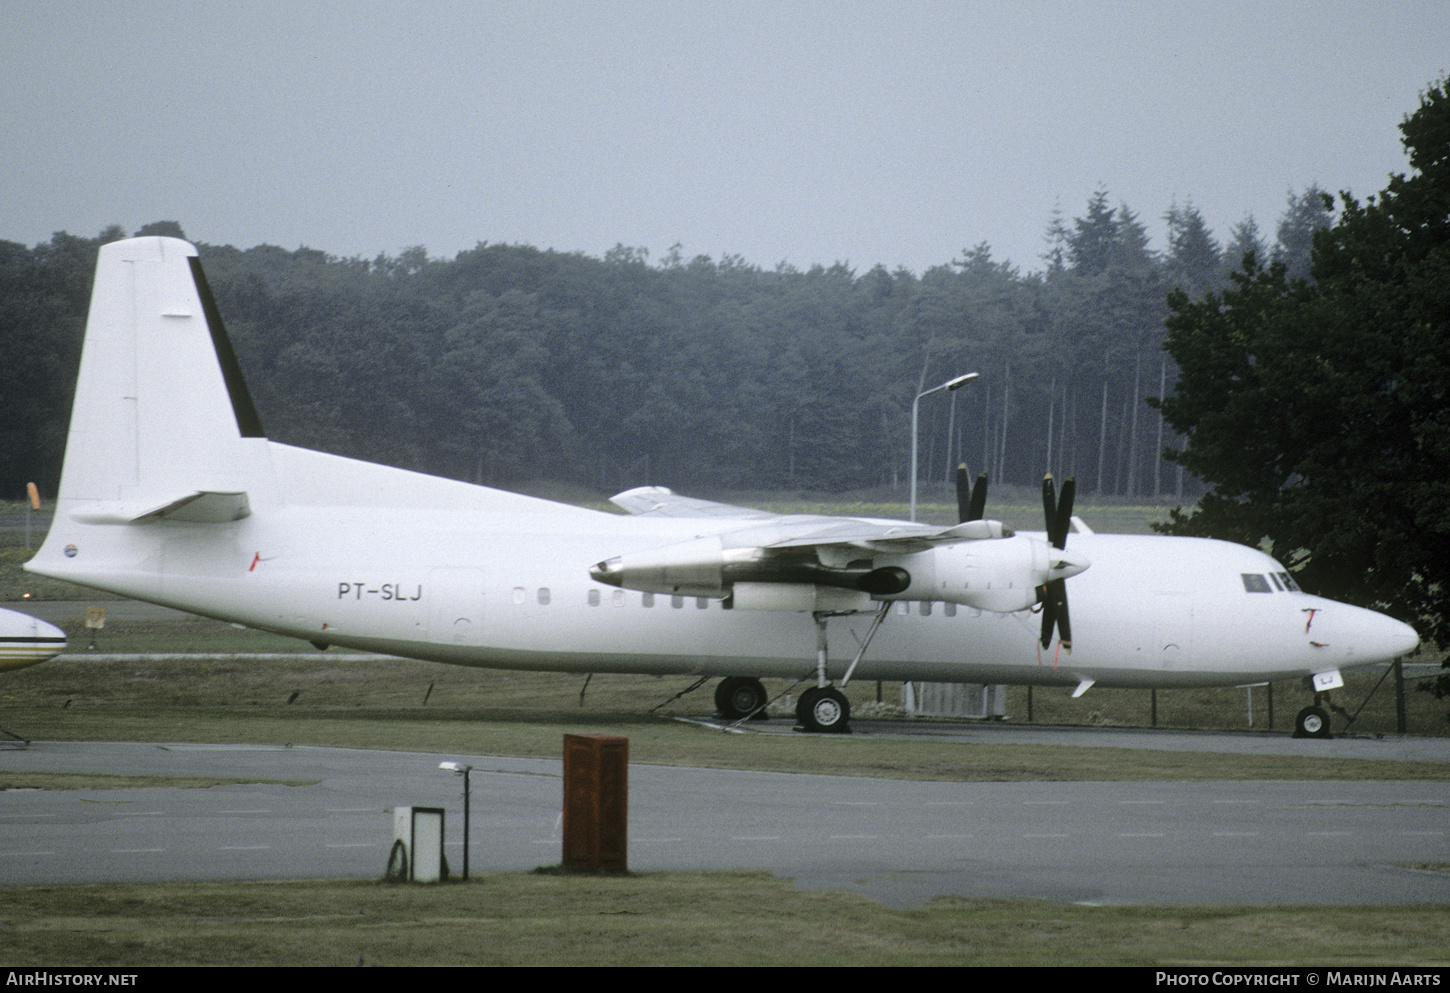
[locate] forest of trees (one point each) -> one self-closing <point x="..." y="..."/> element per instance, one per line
<point x="508" y="364"/>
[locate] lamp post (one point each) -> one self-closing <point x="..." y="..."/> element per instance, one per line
<point x="950" y="385"/>
<point x="459" y="769"/>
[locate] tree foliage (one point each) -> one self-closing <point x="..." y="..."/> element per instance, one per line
<point x="1318" y="411"/>
<point x="508" y="364"/>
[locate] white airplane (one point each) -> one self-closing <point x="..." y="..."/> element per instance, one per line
<point x="171" y="493"/>
<point x="26" y="640"/>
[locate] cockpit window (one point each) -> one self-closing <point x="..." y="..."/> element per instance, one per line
<point x="1289" y="583"/>
<point x="1277" y="585"/>
<point x="1255" y="583"/>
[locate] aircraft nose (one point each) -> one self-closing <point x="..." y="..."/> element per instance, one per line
<point x="1376" y="637"/>
<point x="26" y="640"/>
<point x="1400" y="638"/>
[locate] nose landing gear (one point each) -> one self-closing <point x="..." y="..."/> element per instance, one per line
<point x="1311" y="722"/>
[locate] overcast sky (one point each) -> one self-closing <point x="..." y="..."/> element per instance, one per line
<point x="897" y="133"/>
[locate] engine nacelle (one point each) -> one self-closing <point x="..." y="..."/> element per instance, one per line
<point x="704" y="567"/>
<point x="997" y="574"/>
<point x="1000" y="575"/>
<point x="690" y="568"/>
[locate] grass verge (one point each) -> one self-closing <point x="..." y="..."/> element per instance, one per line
<point x="710" y="918"/>
<point x="660" y="741"/>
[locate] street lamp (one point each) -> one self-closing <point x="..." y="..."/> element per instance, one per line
<point x="950" y="385"/>
<point x="459" y="769"/>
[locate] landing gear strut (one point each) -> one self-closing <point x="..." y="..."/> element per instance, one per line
<point x="824" y="709"/>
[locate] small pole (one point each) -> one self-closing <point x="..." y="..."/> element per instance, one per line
<point x="460" y="769"/>
<point x="1399" y="698"/>
<point x="1153" y="695"/>
<point x="466" y="793"/>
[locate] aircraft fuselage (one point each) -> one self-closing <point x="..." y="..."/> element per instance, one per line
<point x="512" y="590"/>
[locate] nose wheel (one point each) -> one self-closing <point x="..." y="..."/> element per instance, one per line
<point x="1311" y="722"/>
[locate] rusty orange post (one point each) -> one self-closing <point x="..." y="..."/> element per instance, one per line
<point x="596" y="801"/>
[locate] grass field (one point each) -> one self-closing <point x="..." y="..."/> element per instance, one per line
<point x="743" y="919"/>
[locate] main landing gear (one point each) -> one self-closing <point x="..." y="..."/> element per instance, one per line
<point x="823" y="708"/>
<point x="738" y="697"/>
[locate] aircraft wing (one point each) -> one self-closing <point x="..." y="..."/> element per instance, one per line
<point x="888" y="536"/>
<point x="751" y="548"/>
<point x="779" y="531"/>
<point x="658" y="501"/>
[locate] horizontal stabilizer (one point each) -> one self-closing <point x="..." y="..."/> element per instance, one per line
<point x="196" y="507"/>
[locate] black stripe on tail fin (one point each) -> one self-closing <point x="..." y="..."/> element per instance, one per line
<point x="249" y="423"/>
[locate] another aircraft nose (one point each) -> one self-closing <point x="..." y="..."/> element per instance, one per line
<point x="26" y="640"/>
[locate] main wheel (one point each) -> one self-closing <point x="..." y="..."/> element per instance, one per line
<point x="825" y="710"/>
<point x="1311" y="723"/>
<point x="737" y="696"/>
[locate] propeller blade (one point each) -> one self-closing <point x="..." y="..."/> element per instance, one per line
<point x="1064" y="627"/>
<point x="1049" y="507"/>
<point x="1059" y="522"/>
<point x="1064" y="512"/>
<point x="1054" y="613"/>
<point x="971" y="508"/>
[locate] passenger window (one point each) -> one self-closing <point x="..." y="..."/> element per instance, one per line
<point x="1255" y="583"/>
<point x="677" y="601"/>
<point x="950" y="609"/>
<point x="702" y="602"/>
<point x="518" y="594"/>
<point x="544" y="596"/>
<point x="618" y="597"/>
<point x="648" y="599"/>
<point x="593" y="598"/>
<point x="925" y="608"/>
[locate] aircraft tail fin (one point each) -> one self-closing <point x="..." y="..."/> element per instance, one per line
<point x="162" y="417"/>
